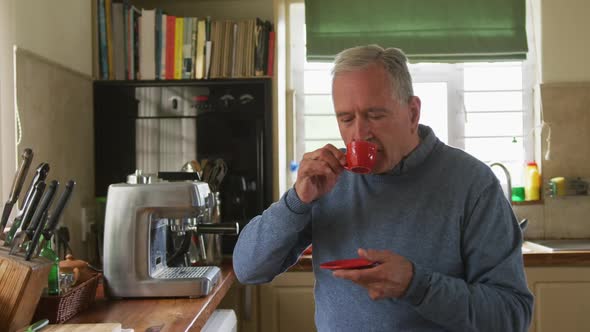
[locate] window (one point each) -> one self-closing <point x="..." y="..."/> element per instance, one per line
<point x="483" y="108"/>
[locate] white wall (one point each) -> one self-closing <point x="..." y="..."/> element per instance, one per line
<point x="7" y="149"/>
<point x="59" y="30"/>
<point x="565" y="44"/>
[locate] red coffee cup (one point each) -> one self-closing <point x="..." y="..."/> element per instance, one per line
<point x="360" y="156"/>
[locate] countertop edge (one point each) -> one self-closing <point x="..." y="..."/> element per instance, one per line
<point x="168" y="314"/>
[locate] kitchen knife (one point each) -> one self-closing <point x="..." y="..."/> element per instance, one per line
<point x="17" y="185"/>
<point x="37" y="217"/>
<point x="29" y="210"/>
<point x="40" y="175"/>
<point x="54" y="216"/>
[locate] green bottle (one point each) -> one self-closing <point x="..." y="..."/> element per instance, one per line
<point x="53" y="280"/>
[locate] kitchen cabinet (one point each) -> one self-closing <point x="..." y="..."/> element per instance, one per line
<point x="561" y="295"/>
<point x="287" y="303"/>
<point x="243" y="300"/>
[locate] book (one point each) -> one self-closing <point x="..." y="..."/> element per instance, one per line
<point x="178" y="45"/>
<point x="109" y="28"/>
<point x="118" y="40"/>
<point x="158" y="40"/>
<point x="102" y="40"/>
<point x="170" y="46"/>
<point x="194" y="22"/>
<point x="147" y="47"/>
<point x="208" y="50"/>
<point x="136" y="27"/>
<point x="200" y="49"/>
<point x="187" y="36"/>
<point x="271" y="54"/>
<point x="163" y="44"/>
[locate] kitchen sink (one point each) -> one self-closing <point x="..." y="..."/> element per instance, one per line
<point x="561" y="245"/>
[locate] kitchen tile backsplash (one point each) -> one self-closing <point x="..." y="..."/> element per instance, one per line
<point x="566" y="111"/>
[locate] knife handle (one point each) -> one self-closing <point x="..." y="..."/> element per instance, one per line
<point x="31" y="207"/>
<point x="40" y="210"/>
<point x="40" y="175"/>
<point x="21" y="174"/>
<point x="58" y="210"/>
<point x="17" y="186"/>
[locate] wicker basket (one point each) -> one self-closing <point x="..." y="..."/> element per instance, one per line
<point x="59" y="309"/>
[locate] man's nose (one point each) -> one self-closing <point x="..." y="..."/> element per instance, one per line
<point x="361" y="130"/>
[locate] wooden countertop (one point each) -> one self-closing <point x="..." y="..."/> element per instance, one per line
<point x="532" y="258"/>
<point x="160" y="314"/>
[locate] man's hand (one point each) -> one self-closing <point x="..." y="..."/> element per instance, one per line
<point x="318" y="172"/>
<point x="390" y="278"/>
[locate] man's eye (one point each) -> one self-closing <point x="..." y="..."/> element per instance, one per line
<point x="376" y="117"/>
<point x="345" y="120"/>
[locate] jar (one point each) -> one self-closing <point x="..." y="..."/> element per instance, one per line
<point x="532" y="189"/>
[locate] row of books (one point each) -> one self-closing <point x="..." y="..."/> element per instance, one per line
<point x="150" y="44"/>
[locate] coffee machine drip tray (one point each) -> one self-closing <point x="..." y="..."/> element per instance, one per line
<point x="211" y="273"/>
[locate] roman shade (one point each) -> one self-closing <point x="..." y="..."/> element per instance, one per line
<point x="426" y="30"/>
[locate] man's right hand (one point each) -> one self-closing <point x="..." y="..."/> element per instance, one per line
<point x="318" y="172"/>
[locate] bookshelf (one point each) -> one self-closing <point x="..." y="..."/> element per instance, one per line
<point x="172" y="40"/>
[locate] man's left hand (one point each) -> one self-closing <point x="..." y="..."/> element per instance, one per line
<point x="390" y="278"/>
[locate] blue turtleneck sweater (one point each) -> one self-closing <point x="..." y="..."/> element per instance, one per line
<point x="440" y="208"/>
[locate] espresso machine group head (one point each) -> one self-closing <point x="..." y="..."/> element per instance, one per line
<point x="138" y="218"/>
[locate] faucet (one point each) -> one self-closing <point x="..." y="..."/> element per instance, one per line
<point x="508" y="179"/>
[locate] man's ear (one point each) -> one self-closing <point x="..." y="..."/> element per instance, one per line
<point x="414" y="105"/>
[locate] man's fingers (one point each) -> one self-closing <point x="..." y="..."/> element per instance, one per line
<point x="363" y="277"/>
<point x="379" y="256"/>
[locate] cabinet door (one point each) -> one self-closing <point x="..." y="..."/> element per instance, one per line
<point x="561" y="296"/>
<point x="243" y="299"/>
<point x="287" y="304"/>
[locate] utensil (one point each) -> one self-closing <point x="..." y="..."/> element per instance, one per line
<point x="348" y="264"/>
<point x="17" y="185"/>
<point x="55" y="215"/>
<point x="37" y="325"/>
<point x="40" y="175"/>
<point x="29" y="210"/>
<point x="29" y="230"/>
<point x="35" y="233"/>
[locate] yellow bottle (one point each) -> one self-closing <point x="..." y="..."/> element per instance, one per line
<point x="532" y="189"/>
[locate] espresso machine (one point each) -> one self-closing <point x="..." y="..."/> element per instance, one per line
<point x="140" y="217"/>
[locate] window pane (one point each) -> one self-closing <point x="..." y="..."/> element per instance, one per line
<point x="324" y="127"/>
<point x="493" y="101"/>
<point x="317" y="81"/>
<point x="434" y="107"/>
<point x="493" y="149"/>
<point x="319" y="104"/>
<point x="493" y="78"/>
<point x="314" y="145"/>
<point x="493" y="124"/>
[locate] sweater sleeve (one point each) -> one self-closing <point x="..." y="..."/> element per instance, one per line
<point x="270" y="243"/>
<point x="493" y="294"/>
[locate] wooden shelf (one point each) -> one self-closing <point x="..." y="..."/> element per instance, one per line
<point x="538" y="202"/>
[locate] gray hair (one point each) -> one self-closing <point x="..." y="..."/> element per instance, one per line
<point x="393" y="60"/>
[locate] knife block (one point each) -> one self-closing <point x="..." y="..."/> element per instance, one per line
<point x="21" y="286"/>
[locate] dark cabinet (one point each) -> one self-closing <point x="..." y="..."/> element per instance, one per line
<point x="158" y="126"/>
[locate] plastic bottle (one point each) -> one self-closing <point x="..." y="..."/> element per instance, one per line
<point x="532" y="189"/>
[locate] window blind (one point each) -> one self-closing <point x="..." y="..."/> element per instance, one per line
<point x="426" y="30"/>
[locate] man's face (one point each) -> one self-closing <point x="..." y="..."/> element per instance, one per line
<point x="368" y="109"/>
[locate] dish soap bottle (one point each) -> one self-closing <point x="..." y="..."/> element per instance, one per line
<point x="532" y="189"/>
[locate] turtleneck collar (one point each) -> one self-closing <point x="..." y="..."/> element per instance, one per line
<point x="428" y="141"/>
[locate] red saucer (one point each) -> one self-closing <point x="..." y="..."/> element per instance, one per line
<point x="348" y="264"/>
